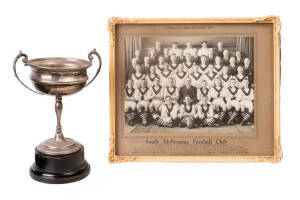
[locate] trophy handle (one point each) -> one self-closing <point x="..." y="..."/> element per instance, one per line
<point x="24" y="60"/>
<point x="90" y="56"/>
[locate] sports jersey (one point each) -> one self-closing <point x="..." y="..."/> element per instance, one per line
<point x="180" y="78"/>
<point x="137" y="79"/>
<point x="172" y="92"/>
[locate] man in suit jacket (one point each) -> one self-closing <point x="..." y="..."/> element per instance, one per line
<point x="146" y="65"/>
<point x="138" y="57"/>
<point x="158" y="49"/>
<point x="220" y="49"/>
<point x="248" y="71"/>
<point x="153" y="58"/>
<point x="180" y="58"/>
<point x="238" y="59"/>
<point x="189" y="90"/>
<point x="211" y="57"/>
<point x="130" y="69"/>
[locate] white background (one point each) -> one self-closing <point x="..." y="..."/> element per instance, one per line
<point x="72" y="29"/>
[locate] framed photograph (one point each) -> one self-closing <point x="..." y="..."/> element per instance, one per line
<point x="195" y="89"/>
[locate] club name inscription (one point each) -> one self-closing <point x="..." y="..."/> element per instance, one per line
<point x="186" y="142"/>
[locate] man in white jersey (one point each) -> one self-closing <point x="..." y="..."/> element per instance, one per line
<point x="143" y="96"/>
<point x="130" y="103"/>
<point x="151" y="76"/>
<point x="196" y="77"/>
<point x="157" y="95"/>
<point x="246" y="98"/>
<point x="168" y="114"/>
<point x="215" y="96"/>
<point x="233" y="105"/>
<point x="180" y="76"/>
<point x="187" y="112"/>
<point x="171" y="91"/>
<point x="217" y="65"/>
<point x="225" y="78"/>
<point x="137" y="76"/>
<point x="205" y="115"/>
<point x="188" y="64"/>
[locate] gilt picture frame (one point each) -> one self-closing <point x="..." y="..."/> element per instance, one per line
<point x="141" y="132"/>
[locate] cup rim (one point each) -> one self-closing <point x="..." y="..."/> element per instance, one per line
<point x="59" y="63"/>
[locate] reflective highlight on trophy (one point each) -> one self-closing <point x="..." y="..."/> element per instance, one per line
<point x="59" y="159"/>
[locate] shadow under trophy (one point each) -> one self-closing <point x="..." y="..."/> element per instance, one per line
<point x="59" y="159"/>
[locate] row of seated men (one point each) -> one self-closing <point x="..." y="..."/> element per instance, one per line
<point x="189" y="106"/>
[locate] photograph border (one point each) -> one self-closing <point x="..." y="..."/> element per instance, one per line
<point x="113" y="158"/>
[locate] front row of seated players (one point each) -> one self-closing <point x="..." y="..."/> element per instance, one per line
<point x="215" y="106"/>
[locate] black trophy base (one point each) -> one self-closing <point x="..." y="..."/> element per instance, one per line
<point x="57" y="169"/>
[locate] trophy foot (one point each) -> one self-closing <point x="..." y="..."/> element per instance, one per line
<point x="57" y="169"/>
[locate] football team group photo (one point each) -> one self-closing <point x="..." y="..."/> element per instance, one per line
<point x="189" y="82"/>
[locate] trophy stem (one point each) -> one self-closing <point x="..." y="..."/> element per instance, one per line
<point x="58" y="109"/>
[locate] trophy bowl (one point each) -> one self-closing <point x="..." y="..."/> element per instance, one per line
<point x="58" y="159"/>
<point x="58" y="76"/>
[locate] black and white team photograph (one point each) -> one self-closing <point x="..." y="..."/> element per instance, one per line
<point x="189" y="84"/>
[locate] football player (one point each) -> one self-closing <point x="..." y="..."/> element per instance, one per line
<point x="130" y="103"/>
<point x="240" y="77"/>
<point x="157" y="95"/>
<point x="218" y="67"/>
<point x="215" y="95"/>
<point x="210" y="75"/>
<point x="143" y="96"/>
<point x="233" y="105"/>
<point x="165" y="74"/>
<point x="171" y="91"/>
<point x="173" y="63"/>
<point x="203" y="65"/>
<point x="205" y="114"/>
<point x="196" y="77"/>
<point x="188" y="64"/>
<point x="168" y="115"/>
<point x="180" y="76"/>
<point x="151" y="76"/>
<point x="186" y="113"/>
<point x="202" y="92"/>
<point x="160" y="65"/>
<point x="137" y="76"/>
<point x="246" y="97"/>
<point x="225" y="77"/>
